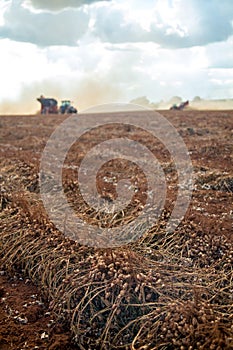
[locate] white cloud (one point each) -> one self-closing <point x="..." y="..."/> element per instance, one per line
<point x="43" y="28"/>
<point x="169" y="23"/>
<point x="59" y="4"/>
<point x="184" y="24"/>
<point x="220" y="55"/>
<point x="22" y="63"/>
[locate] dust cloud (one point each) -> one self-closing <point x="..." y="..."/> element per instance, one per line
<point x="88" y="92"/>
<point x="196" y="103"/>
<point x="84" y="94"/>
<point x="226" y="104"/>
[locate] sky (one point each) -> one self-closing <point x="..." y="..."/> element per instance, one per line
<point x="95" y="52"/>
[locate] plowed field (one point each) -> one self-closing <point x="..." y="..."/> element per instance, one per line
<point x="32" y="318"/>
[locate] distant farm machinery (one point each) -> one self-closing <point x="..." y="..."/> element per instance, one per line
<point x="180" y="107"/>
<point x="67" y="108"/>
<point x="50" y="106"/>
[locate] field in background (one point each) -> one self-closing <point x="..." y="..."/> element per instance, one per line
<point x="195" y="263"/>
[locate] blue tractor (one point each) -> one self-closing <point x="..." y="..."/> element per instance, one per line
<point x="67" y="108"/>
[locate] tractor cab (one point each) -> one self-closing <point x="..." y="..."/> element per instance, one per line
<point x="65" y="104"/>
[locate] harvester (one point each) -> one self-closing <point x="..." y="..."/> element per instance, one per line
<point x="180" y="107"/>
<point x="50" y="106"/>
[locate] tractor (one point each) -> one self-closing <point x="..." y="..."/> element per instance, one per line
<point x="67" y="108"/>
